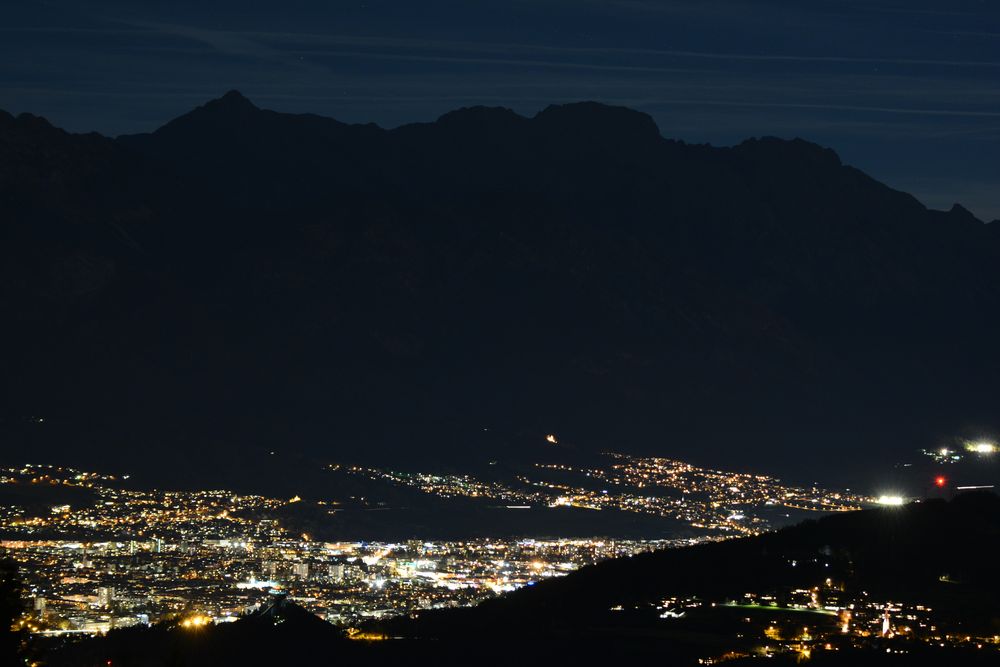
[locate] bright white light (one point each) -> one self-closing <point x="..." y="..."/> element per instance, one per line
<point x="254" y="584"/>
<point x="982" y="447"/>
<point x="893" y="501"/>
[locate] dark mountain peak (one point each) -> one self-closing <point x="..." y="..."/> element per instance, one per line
<point x="480" y="117"/>
<point x="233" y="100"/>
<point x="231" y="104"/>
<point x="32" y="122"/>
<point x="959" y="212"/>
<point x="32" y="119"/>
<point x="10" y="125"/>
<point x="791" y="152"/>
<point x="595" y="120"/>
<point x="230" y="110"/>
<point x="31" y="133"/>
<point x="30" y="126"/>
<point x="235" y="97"/>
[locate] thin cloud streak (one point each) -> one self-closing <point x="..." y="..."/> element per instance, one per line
<point x="225" y="41"/>
<point x="591" y="50"/>
<point x="833" y="107"/>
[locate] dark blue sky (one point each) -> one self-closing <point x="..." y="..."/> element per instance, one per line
<point x="908" y="90"/>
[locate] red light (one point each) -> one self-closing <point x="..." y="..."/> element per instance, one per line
<point x="940" y="481"/>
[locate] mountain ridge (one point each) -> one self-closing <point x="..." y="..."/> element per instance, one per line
<point x="349" y="283"/>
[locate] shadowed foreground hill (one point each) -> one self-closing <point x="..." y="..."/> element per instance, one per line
<point x="241" y="279"/>
<point x="280" y="633"/>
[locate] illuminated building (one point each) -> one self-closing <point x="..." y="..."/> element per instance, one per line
<point x="105" y="596"/>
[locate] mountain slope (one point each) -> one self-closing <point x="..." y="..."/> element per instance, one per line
<point x="244" y="278"/>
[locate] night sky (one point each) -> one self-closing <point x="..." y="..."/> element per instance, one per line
<point x="907" y="90"/>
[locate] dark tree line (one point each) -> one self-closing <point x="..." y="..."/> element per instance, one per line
<point x="10" y="610"/>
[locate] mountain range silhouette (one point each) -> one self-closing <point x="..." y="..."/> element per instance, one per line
<point x="241" y="279"/>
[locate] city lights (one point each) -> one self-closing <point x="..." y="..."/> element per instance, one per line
<point x="153" y="555"/>
<point x="156" y="555"/>
<point x="707" y="499"/>
<point x="195" y="621"/>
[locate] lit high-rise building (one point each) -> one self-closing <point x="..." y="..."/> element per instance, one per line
<point x="105" y="596"/>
